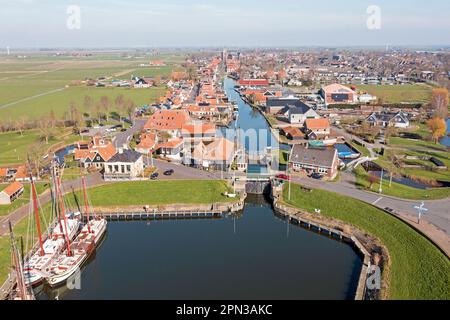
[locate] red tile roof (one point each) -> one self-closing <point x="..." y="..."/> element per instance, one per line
<point x="317" y="123"/>
<point x="171" y="143"/>
<point x="167" y="120"/>
<point x="13" y="188"/>
<point x="199" y="128"/>
<point x="254" y="82"/>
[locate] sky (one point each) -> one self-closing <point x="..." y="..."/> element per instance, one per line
<point x="197" y="23"/>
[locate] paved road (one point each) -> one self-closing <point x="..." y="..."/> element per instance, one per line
<point x="123" y="138"/>
<point x="182" y="172"/>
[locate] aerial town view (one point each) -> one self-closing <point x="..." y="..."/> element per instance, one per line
<point x="202" y="150"/>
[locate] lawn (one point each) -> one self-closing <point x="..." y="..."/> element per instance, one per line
<point x="404" y="142"/>
<point x="399" y="190"/>
<point x="159" y="192"/>
<point x="361" y="149"/>
<point x="408" y="93"/>
<point x="23" y="200"/>
<point x="418" y="269"/>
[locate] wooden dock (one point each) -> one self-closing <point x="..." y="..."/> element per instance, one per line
<point x="158" y="215"/>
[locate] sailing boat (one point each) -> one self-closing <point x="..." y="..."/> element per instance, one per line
<point x="58" y="235"/>
<point x="21" y="291"/>
<point x="70" y="262"/>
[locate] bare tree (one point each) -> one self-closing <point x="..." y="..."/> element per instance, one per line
<point x="88" y="103"/>
<point x="119" y="102"/>
<point x="130" y="107"/>
<point x="20" y="125"/>
<point x="36" y="155"/>
<point x="105" y="104"/>
<point x="45" y="131"/>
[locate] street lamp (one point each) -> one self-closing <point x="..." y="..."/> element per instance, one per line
<point x="420" y="210"/>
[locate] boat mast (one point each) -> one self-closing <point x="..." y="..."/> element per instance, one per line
<point x="56" y="198"/>
<point x="21" y="286"/>
<point x="36" y="214"/>
<point x="63" y="213"/>
<point x="83" y="181"/>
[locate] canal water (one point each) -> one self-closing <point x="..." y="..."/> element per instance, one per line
<point x="250" y="121"/>
<point x="253" y="256"/>
<point x="446" y="140"/>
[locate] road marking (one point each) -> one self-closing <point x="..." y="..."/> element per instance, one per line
<point x="377" y="200"/>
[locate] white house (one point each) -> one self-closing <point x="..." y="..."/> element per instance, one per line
<point x="125" y="165"/>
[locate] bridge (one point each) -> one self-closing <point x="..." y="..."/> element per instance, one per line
<point x="353" y="164"/>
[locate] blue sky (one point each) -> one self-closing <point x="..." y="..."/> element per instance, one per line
<point x="152" y="23"/>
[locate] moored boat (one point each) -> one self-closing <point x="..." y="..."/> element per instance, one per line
<point x="57" y="236"/>
<point x="72" y="259"/>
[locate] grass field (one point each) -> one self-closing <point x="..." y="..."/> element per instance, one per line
<point x="131" y="193"/>
<point x="408" y="93"/>
<point x="159" y="192"/>
<point x="14" y="146"/>
<point x="33" y="87"/>
<point x="418" y="269"/>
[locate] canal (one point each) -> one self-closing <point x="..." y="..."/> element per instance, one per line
<point x="252" y="256"/>
<point x="250" y="122"/>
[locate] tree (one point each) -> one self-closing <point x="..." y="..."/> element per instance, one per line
<point x="36" y="155"/>
<point x="20" y="125"/>
<point x="130" y="107"/>
<point x="52" y="118"/>
<point x="45" y="131"/>
<point x="98" y="112"/>
<point x="439" y="103"/>
<point x="88" y="103"/>
<point x="119" y="102"/>
<point x="438" y="128"/>
<point x="105" y="104"/>
<point x="372" y="180"/>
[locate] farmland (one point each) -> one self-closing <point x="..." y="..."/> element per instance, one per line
<point x="34" y="86"/>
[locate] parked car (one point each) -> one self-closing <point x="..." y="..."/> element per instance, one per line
<point x="283" y="177"/>
<point x="316" y="176"/>
<point x="169" y="172"/>
<point x="154" y="176"/>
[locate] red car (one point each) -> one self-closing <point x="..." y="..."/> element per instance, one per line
<point x="283" y="177"/>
